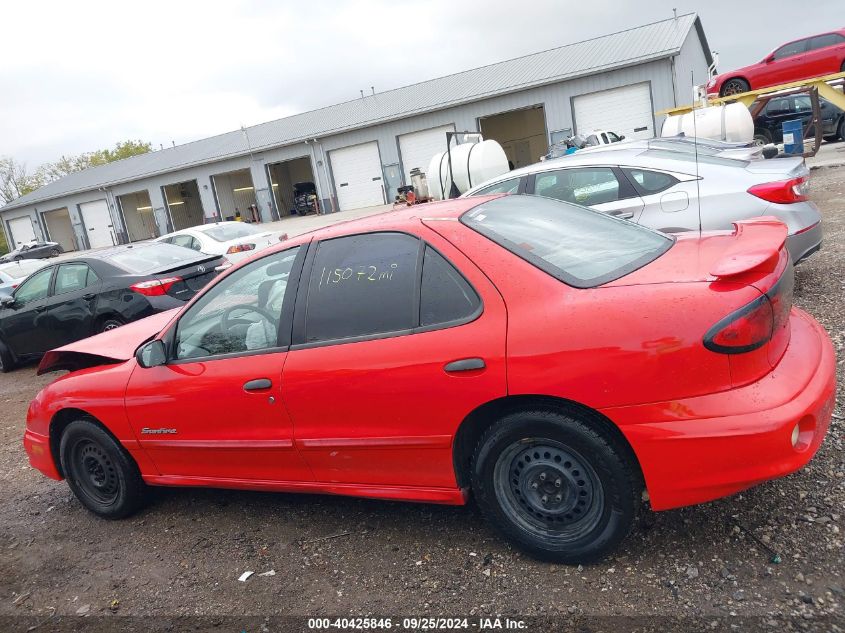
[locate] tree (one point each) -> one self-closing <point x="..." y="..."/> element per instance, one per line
<point x="16" y="181"/>
<point x="70" y="164"/>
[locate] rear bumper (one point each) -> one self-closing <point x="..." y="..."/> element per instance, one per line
<point x="802" y="245"/>
<point x="40" y="456"/>
<point x="703" y="448"/>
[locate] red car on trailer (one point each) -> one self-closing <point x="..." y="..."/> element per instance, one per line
<point x="551" y="360"/>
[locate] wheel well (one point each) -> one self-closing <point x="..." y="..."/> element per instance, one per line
<point x="60" y="422"/>
<point x="748" y="83"/>
<point x="479" y="420"/>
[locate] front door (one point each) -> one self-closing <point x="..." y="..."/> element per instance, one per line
<point x="25" y="323"/>
<point x="393" y="348"/>
<point x="214" y="410"/>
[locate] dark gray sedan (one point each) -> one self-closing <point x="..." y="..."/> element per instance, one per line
<point x="33" y="250"/>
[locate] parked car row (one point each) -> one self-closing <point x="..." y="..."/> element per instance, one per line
<point x="235" y="240"/>
<point x="37" y="249"/>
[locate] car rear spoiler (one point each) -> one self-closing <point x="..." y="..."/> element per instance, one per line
<point x="756" y="247"/>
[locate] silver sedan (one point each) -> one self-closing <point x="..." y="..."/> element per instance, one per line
<point x="671" y="191"/>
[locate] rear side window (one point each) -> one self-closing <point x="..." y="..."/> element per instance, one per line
<point x="830" y="39"/>
<point x="362" y="285"/>
<point x="152" y="257"/>
<point x="587" y="185"/>
<point x="186" y="241"/>
<point x="445" y="296"/>
<point x="506" y="186"/>
<point x="648" y="182"/>
<point x="582" y="248"/>
<point x="70" y="277"/>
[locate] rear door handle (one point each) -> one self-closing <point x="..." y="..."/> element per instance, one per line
<point x="465" y="364"/>
<point x="257" y="384"/>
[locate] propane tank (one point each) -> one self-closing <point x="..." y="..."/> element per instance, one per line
<point x="731" y="122"/>
<point x="472" y="164"/>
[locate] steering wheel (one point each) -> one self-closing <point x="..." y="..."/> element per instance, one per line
<point x="226" y="322"/>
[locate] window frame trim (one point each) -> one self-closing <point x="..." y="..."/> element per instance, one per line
<point x="284" y="334"/>
<point x="298" y="341"/>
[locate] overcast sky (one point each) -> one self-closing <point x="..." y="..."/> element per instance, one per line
<point x="79" y="76"/>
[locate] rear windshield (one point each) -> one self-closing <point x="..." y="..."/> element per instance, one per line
<point x="579" y="246"/>
<point x="226" y="232"/>
<point x="153" y="257"/>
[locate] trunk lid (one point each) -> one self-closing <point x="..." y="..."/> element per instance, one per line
<point x="192" y="277"/>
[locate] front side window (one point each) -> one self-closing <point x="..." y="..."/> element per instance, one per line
<point x="793" y="48"/>
<point x="649" y="182"/>
<point x="580" y="247"/>
<point x="802" y="103"/>
<point x="242" y="313"/>
<point x="445" y="296"/>
<point x="506" y="186"/>
<point x="777" y="107"/>
<point x="362" y="285"/>
<point x="70" y="277"/>
<point x="34" y="288"/>
<point x="613" y="137"/>
<point x="587" y="186"/>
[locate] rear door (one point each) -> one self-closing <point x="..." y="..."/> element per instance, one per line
<point x="73" y="303"/>
<point x="825" y="54"/>
<point x="395" y="342"/>
<point x="25" y="324"/>
<point x="601" y="188"/>
<point x="787" y="64"/>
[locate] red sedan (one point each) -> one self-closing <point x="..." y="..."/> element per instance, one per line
<point x="806" y="58"/>
<point x="551" y="360"/>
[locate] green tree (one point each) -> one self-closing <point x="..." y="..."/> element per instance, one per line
<point x="16" y="180"/>
<point x="70" y="164"/>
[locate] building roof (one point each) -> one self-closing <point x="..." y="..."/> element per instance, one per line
<point x="625" y="48"/>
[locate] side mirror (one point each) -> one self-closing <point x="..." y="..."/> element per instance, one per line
<point x="769" y="59"/>
<point x="151" y="354"/>
<point x="6" y="301"/>
<point x="621" y="137"/>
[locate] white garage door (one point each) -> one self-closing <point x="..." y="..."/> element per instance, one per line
<point x="417" y="148"/>
<point x="98" y="224"/>
<point x="625" y="110"/>
<point x="22" y="231"/>
<point x="357" y="176"/>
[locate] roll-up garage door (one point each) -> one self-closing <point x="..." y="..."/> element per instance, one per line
<point x="625" y="110"/>
<point x="98" y="224"/>
<point x="22" y="231"/>
<point x="357" y="176"/>
<point x="417" y="148"/>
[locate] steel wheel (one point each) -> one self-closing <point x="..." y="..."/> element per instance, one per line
<point x="94" y="472"/>
<point x="550" y="489"/>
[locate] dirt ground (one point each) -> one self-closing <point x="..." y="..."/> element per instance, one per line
<point x="711" y="565"/>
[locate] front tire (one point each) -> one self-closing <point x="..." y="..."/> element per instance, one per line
<point x="100" y="472"/>
<point x="7" y="364"/>
<point x="111" y="323"/>
<point x="555" y="486"/>
<point x="734" y="86"/>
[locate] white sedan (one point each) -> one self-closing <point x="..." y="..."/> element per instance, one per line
<point x="235" y="240"/>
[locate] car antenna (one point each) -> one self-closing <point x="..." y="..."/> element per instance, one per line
<point x="695" y="147"/>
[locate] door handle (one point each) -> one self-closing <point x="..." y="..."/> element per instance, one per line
<point x="258" y="384"/>
<point x="465" y="364"/>
<point x="40" y="308"/>
<point x="89" y="296"/>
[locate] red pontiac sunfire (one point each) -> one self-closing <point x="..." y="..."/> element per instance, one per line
<point x="552" y="360"/>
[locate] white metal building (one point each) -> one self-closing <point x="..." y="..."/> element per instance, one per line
<point x="358" y="152"/>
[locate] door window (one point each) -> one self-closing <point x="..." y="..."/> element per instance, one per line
<point x="649" y="182"/>
<point x="362" y="285"/>
<point x="506" y="186"/>
<point x="242" y="313"/>
<point x="34" y="288"/>
<point x="802" y="103"/>
<point x="777" y="107"/>
<point x="186" y="241"/>
<point x="587" y="186"/>
<point x="788" y="50"/>
<point x="445" y="296"/>
<point x="70" y="277"/>
<point x="829" y="39"/>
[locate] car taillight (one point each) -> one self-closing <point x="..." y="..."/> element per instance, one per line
<point x="753" y="325"/>
<point x="240" y="248"/>
<point x="155" y="287"/>
<point x="782" y="191"/>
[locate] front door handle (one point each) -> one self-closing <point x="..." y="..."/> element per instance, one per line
<point x="465" y="364"/>
<point x="89" y="296"/>
<point x="258" y="384"/>
<point x="40" y="308"/>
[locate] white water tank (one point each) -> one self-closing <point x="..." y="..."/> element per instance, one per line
<point x="472" y="164"/>
<point x="731" y="122"/>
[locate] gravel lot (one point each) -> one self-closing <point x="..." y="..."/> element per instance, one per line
<point x="339" y="556"/>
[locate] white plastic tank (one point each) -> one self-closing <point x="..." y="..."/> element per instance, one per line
<point x="472" y="164"/>
<point x="731" y="122"/>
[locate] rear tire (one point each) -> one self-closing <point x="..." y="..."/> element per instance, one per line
<point x="734" y="86"/>
<point x="762" y="137"/>
<point x="842" y="126"/>
<point x="555" y="486"/>
<point x="6" y="362"/>
<point x="110" y="323"/>
<point x="54" y="252"/>
<point x="100" y="472"/>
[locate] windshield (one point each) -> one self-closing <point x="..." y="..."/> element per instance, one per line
<point x="226" y="232"/>
<point x="152" y="257"/>
<point x="579" y="246"/>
